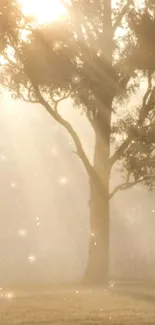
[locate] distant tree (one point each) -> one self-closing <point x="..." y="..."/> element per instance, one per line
<point x="99" y="56"/>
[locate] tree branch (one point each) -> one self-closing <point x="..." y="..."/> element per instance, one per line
<point x="57" y="101"/>
<point x="125" y="186"/>
<point x="28" y="100"/>
<point x="142" y="115"/>
<point x="54" y="113"/>
<point x="80" y="151"/>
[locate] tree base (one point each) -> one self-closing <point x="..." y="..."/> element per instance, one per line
<point x="94" y="279"/>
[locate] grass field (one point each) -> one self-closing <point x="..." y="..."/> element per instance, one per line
<point x="73" y="306"/>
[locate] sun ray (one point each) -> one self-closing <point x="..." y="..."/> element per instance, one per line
<point x="44" y="11"/>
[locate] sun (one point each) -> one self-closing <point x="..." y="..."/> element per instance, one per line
<point x="44" y="11"/>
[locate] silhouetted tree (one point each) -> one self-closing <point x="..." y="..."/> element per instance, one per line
<point x="85" y="57"/>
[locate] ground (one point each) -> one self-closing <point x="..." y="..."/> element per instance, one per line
<point x="75" y="306"/>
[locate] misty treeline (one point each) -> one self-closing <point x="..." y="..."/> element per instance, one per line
<point x="100" y="56"/>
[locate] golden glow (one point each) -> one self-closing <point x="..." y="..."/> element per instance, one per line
<point x="44" y="11"/>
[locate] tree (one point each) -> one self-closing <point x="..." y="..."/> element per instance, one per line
<point x="99" y="71"/>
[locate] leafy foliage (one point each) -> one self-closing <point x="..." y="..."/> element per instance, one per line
<point x="85" y="57"/>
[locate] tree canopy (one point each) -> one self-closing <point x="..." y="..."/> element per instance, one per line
<point x="45" y="64"/>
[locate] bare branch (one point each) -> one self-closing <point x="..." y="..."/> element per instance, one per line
<point x="27" y="99"/>
<point x="65" y="96"/>
<point x="57" y="101"/>
<point x="125" y="186"/>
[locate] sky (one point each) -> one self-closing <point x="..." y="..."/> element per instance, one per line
<point x="44" y="212"/>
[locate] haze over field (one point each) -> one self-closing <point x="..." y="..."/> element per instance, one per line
<point x="44" y="213"/>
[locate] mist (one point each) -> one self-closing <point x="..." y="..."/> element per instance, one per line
<point x="44" y="211"/>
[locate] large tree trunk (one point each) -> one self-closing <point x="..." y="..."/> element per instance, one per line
<point x="97" y="271"/>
